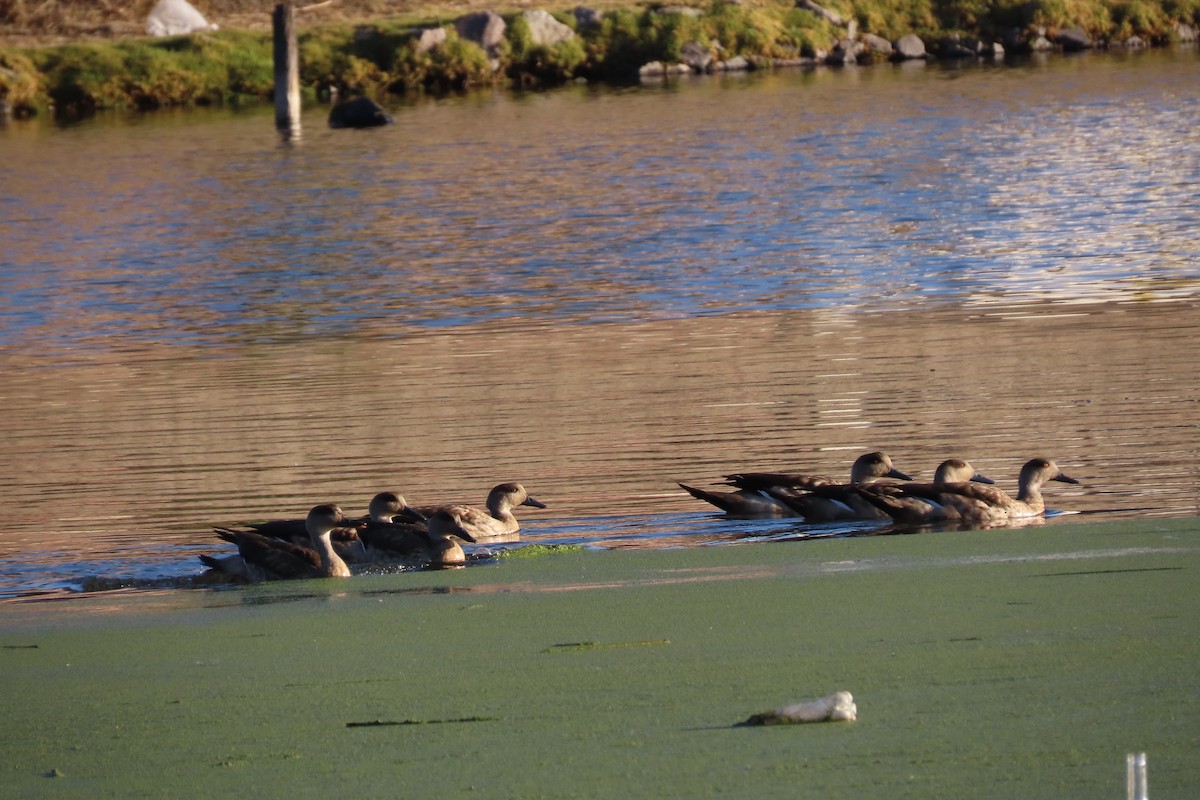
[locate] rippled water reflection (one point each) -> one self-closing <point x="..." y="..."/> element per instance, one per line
<point x="598" y="293"/>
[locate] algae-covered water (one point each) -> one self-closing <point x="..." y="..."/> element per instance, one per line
<point x="1021" y="663"/>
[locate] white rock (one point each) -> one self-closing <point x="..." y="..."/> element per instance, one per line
<point x="176" y="18"/>
<point x="836" y="707"/>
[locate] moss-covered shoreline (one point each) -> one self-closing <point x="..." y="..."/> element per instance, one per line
<point x="432" y="50"/>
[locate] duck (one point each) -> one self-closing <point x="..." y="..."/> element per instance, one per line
<point x="759" y="492"/>
<point x="917" y="503"/>
<point x="497" y="521"/>
<point x="442" y="551"/>
<point x="845" y="502"/>
<point x="262" y="558"/>
<point x="384" y="507"/>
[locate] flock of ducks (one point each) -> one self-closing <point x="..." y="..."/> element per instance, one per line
<point x="322" y="544"/>
<point x="957" y="493"/>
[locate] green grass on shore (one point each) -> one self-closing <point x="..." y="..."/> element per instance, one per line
<point x="383" y="56"/>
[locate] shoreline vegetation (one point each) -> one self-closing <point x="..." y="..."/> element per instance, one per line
<point x="72" y="62"/>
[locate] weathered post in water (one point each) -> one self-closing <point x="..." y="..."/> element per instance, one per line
<point x="287" y="70"/>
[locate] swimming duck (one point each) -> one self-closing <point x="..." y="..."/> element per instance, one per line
<point x="498" y="520"/>
<point x="442" y="551"/>
<point x="916" y="503"/>
<point x="384" y="507"/>
<point x="759" y="491"/>
<point x="262" y="557"/>
<point x="846" y="501"/>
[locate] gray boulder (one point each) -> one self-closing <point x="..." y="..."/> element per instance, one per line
<point x="545" y="29"/>
<point x="878" y="44"/>
<point x="696" y="56"/>
<point x="176" y="18"/>
<point x="1184" y="33"/>
<point x="910" y="46"/>
<point x="429" y="39"/>
<point x="846" y="51"/>
<point x="484" y="28"/>
<point x="1073" y="40"/>
<point x="657" y="69"/>
<point x="735" y="64"/>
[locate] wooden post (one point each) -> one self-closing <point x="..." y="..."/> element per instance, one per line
<point x="287" y="70"/>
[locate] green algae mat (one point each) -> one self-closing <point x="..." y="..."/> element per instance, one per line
<point x="1003" y="664"/>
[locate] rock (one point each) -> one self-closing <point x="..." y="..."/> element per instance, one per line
<point x="995" y="50"/>
<point x="587" y="17"/>
<point x="683" y="11"/>
<point x="1073" y="40"/>
<point x="832" y="16"/>
<point x="657" y="69"/>
<point x="844" y="52"/>
<point x="484" y="28"/>
<point x="910" y="46"/>
<point x="430" y="38"/>
<point x="696" y="56"/>
<point x="1040" y="44"/>
<point x="954" y="48"/>
<point x="176" y="18"/>
<point x="359" y="112"/>
<point x="735" y="64"/>
<point x="546" y="30"/>
<point x="877" y="44"/>
<point x="836" y="707"/>
<point x="1134" y="43"/>
<point x="1184" y="33"/>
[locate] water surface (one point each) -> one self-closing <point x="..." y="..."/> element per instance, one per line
<point x="598" y="293"/>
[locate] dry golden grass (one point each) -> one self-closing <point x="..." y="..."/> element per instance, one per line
<point x="52" y="22"/>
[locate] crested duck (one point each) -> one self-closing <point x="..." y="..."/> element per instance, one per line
<point x="497" y="521"/>
<point x="916" y="503"/>
<point x="845" y="502"/>
<point x="759" y="492"/>
<point x="262" y="557"/>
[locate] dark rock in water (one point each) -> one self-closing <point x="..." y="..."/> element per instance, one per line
<point x="361" y="112"/>
<point x="1073" y="40"/>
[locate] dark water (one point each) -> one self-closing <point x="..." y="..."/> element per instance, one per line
<point x="598" y="293"/>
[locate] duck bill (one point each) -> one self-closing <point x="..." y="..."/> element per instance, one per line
<point x="466" y="537"/>
<point x="412" y="515"/>
<point x="529" y="501"/>
<point x="977" y="478"/>
<point x="1064" y="478"/>
<point x="897" y="474"/>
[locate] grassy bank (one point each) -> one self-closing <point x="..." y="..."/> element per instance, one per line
<point x="992" y="664"/>
<point x="358" y="51"/>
